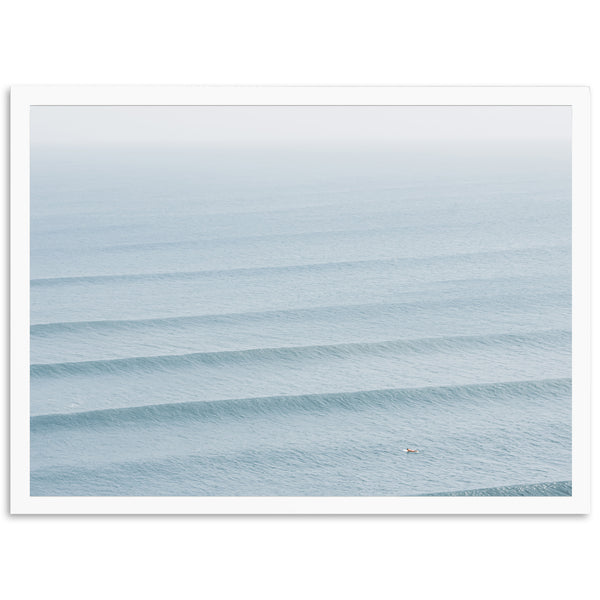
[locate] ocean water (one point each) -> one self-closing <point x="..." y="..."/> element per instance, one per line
<point x="240" y="321"/>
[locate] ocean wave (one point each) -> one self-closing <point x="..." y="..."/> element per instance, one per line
<point x="551" y="488"/>
<point x="186" y="275"/>
<point x="312" y="267"/>
<point x="257" y="237"/>
<point x="297" y="353"/>
<point x="329" y="312"/>
<point x="311" y="403"/>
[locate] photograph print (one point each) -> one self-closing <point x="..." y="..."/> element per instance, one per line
<point x="300" y="301"/>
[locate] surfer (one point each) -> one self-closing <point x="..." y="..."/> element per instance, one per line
<point x="409" y="450"/>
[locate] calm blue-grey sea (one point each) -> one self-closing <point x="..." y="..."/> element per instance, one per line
<point x="287" y="321"/>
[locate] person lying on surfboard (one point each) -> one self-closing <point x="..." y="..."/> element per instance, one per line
<point x="409" y="450"/>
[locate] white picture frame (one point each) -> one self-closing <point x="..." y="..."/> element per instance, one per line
<point x="24" y="97"/>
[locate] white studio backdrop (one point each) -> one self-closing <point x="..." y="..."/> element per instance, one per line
<point x="324" y="43"/>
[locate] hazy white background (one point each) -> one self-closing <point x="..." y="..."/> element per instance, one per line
<point x="147" y="125"/>
<point x="312" y="42"/>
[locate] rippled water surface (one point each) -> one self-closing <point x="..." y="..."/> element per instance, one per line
<point x="288" y="322"/>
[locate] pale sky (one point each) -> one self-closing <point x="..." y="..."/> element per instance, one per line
<point x="119" y="125"/>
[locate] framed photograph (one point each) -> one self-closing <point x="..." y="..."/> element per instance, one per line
<point x="300" y="300"/>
